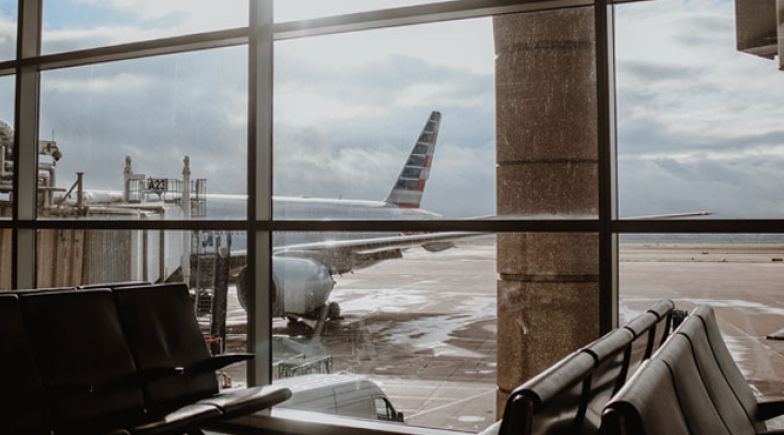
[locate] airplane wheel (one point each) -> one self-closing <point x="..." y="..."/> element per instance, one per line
<point x="333" y="311"/>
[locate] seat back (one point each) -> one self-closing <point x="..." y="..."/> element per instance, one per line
<point x="698" y="408"/>
<point x="550" y="401"/>
<point x="612" y="356"/>
<point x="663" y="312"/>
<point x="644" y="328"/>
<point x="729" y="369"/>
<point x="83" y="359"/>
<point x="163" y="332"/>
<point x="646" y="405"/>
<point x="113" y="285"/>
<point x="23" y="400"/>
<point x="717" y="386"/>
<point x="34" y="291"/>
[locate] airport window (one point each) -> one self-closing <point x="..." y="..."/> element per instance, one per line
<point x="422" y="193"/>
<point x="291" y="10"/>
<point x="8" y="12"/>
<point x="73" y="24"/>
<point x="695" y="114"/>
<point x="70" y="258"/>
<point x="739" y="275"/>
<point x="6" y="145"/>
<point x="135" y="124"/>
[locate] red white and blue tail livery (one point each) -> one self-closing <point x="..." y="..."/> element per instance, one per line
<point x="407" y="192"/>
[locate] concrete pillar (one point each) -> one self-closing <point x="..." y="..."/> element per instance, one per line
<point x="546" y="127"/>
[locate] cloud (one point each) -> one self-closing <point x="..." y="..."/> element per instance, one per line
<point x="699" y="122"/>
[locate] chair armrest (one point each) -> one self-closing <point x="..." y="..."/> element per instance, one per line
<point x="769" y="407"/>
<point x="218" y="362"/>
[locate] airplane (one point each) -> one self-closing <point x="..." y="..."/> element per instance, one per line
<point x="304" y="263"/>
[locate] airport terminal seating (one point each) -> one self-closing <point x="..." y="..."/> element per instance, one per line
<point x="569" y="396"/>
<point x="690" y="386"/>
<point x="82" y="364"/>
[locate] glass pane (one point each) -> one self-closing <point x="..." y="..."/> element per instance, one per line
<point x="417" y="325"/>
<point x="8" y="19"/>
<point x="133" y="126"/>
<point x="699" y="122"/>
<point x="68" y="258"/>
<point x="290" y="10"/>
<point x="397" y="124"/>
<point x="739" y="275"/>
<point x="7" y="97"/>
<point x="78" y="24"/>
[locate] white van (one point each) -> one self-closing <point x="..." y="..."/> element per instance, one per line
<point x="339" y="394"/>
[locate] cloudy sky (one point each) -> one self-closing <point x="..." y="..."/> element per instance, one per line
<point x="699" y="123"/>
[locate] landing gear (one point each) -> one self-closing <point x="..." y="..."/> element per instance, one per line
<point x="333" y="311"/>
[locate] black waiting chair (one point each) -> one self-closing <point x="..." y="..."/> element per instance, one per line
<point x="685" y="389"/>
<point x="113" y="285"/>
<point x="612" y="358"/>
<point x="164" y="335"/>
<point x="550" y="401"/>
<point x="23" y="399"/>
<point x="570" y="396"/>
<point x="93" y="383"/>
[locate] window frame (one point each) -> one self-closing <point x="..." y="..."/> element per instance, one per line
<point x="259" y="38"/>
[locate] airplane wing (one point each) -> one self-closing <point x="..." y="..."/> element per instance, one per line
<point x="342" y="256"/>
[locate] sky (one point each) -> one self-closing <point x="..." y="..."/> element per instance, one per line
<point x="699" y="123"/>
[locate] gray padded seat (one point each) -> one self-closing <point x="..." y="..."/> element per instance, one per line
<point x="548" y="403"/>
<point x="719" y="390"/>
<point x="727" y="365"/>
<point x="646" y="405"/>
<point x="698" y="409"/>
<point x="23" y="400"/>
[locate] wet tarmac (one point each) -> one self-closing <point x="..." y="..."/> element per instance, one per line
<point x="423" y="326"/>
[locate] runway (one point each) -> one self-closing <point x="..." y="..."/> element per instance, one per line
<point x="423" y="326"/>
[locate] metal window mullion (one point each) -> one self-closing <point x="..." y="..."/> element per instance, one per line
<point x="608" y="290"/>
<point x="259" y="272"/>
<point x="26" y="143"/>
<point x="417" y="14"/>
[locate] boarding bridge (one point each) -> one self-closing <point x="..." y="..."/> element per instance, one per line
<point x="760" y="28"/>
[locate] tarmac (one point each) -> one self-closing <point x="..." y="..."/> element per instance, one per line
<point x="423" y="326"/>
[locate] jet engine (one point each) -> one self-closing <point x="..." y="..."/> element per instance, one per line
<point x="300" y="286"/>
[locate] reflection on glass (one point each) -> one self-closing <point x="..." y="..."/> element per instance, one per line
<point x="7" y="96"/>
<point x="408" y="336"/>
<point x="739" y="275"/>
<point x="699" y="122"/>
<point x="290" y="10"/>
<point x="78" y="24"/>
<point x="155" y="138"/>
<point x="209" y="261"/>
<point x="8" y="18"/>
<point x="395" y="124"/>
<point x="400" y="126"/>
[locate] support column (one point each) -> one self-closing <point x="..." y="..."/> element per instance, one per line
<point x="546" y="127"/>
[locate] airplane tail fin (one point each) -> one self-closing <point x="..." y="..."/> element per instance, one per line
<point x="407" y="192"/>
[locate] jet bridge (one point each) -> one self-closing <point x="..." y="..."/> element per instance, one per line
<point x="759" y="28"/>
